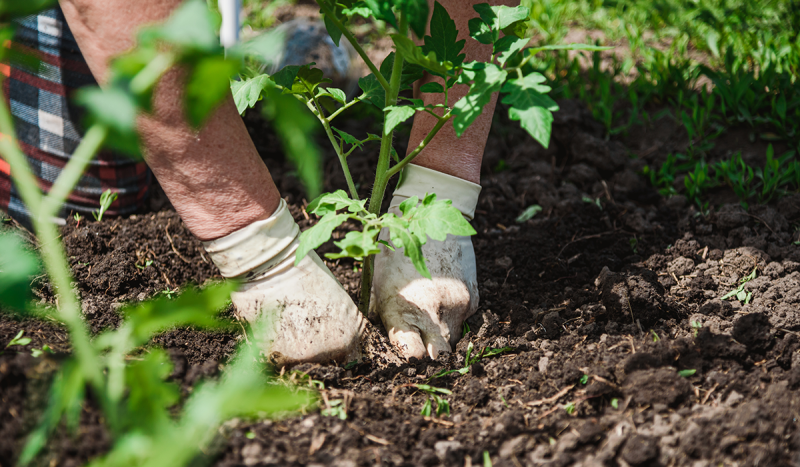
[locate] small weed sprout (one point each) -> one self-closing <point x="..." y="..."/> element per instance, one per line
<point x="595" y="201"/>
<point x="739" y="293"/>
<point x="570" y="408"/>
<point x="655" y="336"/>
<point x="36" y="353"/>
<point x="696" y="327"/>
<point x="487" y="459"/>
<point x="584" y="379"/>
<point x="634" y="242"/>
<point x="435" y="403"/>
<point x="687" y="373"/>
<point x="528" y="213"/>
<point x="18" y="340"/>
<point x="335" y="408"/>
<point x="615" y="403"/>
<point x="471" y="359"/>
<point x="106" y="199"/>
<point x="147" y="264"/>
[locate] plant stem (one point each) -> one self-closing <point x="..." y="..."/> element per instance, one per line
<point x="84" y="153"/>
<point x="406" y="160"/>
<point x="342" y="158"/>
<point x="52" y="250"/>
<point x="382" y="172"/>
<point x="342" y="109"/>
<point x="352" y="40"/>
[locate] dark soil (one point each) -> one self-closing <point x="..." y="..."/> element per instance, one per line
<point x="609" y="281"/>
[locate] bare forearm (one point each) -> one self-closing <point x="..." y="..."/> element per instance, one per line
<point x="214" y="177"/>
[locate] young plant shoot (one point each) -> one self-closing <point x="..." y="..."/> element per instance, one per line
<point x="439" y="55"/>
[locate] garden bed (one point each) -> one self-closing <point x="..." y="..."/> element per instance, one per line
<point x="623" y="352"/>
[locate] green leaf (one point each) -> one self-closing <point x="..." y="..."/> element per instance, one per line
<point x="18" y="266"/>
<point x="397" y="115"/>
<point x="193" y="307"/>
<point x="117" y="110"/>
<point x="337" y="94"/>
<point x="374" y="92"/>
<point x="443" y="40"/>
<point x="530" y="106"/>
<point x="333" y="31"/>
<point x="10" y="9"/>
<point x="480" y="31"/>
<point x="416" y="12"/>
<point x="319" y="234"/>
<point x="687" y="373"/>
<point x="150" y="396"/>
<point x="332" y="202"/>
<point x="432" y="87"/>
<point x="509" y="20"/>
<point x="414" y="54"/>
<point x="247" y="92"/>
<point x="437" y="219"/>
<point x="308" y="79"/>
<point x="509" y="46"/>
<point x="487" y="78"/>
<point x="285" y="77"/>
<point x="208" y="84"/>
<point x="382" y="10"/>
<point x="295" y="125"/>
<point x="348" y="138"/>
<point x="192" y="27"/>
<point x="401" y="237"/>
<point x="357" y="244"/>
<point x="528" y="213"/>
<point x="359" y="9"/>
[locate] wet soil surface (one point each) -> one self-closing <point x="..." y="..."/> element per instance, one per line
<point x="621" y="351"/>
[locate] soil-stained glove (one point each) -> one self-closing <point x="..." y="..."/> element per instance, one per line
<point x="424" y="316"/>
<point x="305" y="314"/>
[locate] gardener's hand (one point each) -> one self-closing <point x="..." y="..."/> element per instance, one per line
<point x="425" y="316"/>
<point x="303" y="313"/>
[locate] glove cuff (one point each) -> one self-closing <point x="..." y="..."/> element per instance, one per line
<point x="417" y="181"/>
<point x="257" y="248"/>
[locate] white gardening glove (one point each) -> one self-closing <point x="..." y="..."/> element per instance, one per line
<point x="424" y="316"/>
<point x="306" y="315"/>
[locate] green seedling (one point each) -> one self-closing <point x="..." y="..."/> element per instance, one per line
<point x="434" y="403"/>
<point x="335" y="408"/>
<point x="36" y="353"/>
<point x="465" y="329"/>
<point x="78" y="218"/>
<point x="615" y="403"/>
<point x="471" y="359"/>
<point x="595" y="201"/>
<point x="739" y="293"/>
<point x="737" y="175"/>
<point x="698" y="181"/>
<point x="106" y="199"/>
<point x="440" y="55"/>
<point x="696" y="327"/>
<point x="634" y="242"/>
<point x="487" y="459"/>
<point x="250" y="435"/>
<point x="570" y="408"/>
<point x="18" y="340"/>
<point x="655" y="336"/>
<point x="584" y="379"/>
<point x="686" y="373"/>
<point x="147" y="264"/>
<point x="528" y="213"/>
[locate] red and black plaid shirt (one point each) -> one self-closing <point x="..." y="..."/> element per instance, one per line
<point x="48" y="124"/>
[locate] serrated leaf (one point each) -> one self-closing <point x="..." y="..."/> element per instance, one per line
<point x="18" y="266"/>
<point x="414" y="54"/>
<point x="443" y="40"/>
<point x="208" y="84"/>
<point x="359" y="9"/>
<point x="319" y="234"/>
<point x="382" y="10"/>
<point x="407" y="205"/>
<point x="331" y="202"/>
<point x="480" y="31"/>
<point x="357" y="244"/>
<point x="117" y="110"/>
<point x="432" y="87"/>
<point x="486" y="78"/>
<point x="247" y="92"/>
<point x="508" y="46"/>
<point x="402" y="238"/>
<point x="397" y="115"/>
<point x="285" y="77"/>
<point x="337" y="94"/>
<point x="530" y="106"/>
<point x="416" y="12"/>
<point x="333" y="31"/>
<point x="509" y="20"/>
<point x="437" y="219"/>
<point x="348" y="138"/>
<point x="308" y="79"/>
<point x="374" y="92"/>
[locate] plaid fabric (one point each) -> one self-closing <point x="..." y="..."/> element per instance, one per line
<point x="47" y="125"/>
